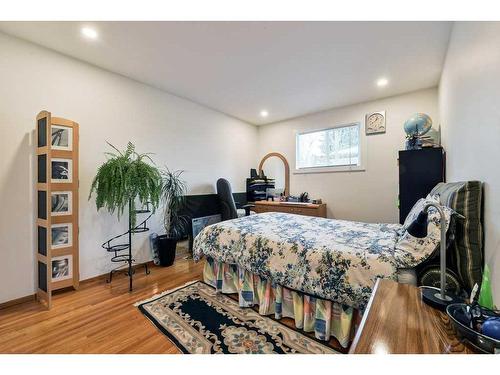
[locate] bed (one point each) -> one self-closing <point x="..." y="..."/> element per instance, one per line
<point x="314" y="270"/>
<point x="319" y="272"/>
<point x="332" y="259"/>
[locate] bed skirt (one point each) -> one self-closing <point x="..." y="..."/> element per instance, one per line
<point x="324" y="318"/>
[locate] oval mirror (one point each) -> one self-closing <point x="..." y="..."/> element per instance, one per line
<point x="276" y="166"/>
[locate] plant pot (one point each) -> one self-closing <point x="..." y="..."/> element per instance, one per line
<point x="166" y="250"/>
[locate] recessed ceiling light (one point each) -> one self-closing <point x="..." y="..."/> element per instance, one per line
<point x="89" y="33"/>
<point x="382" y="82"/>
<point x="264" y="113"/>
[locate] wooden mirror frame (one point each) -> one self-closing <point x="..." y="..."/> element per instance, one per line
<point x="286" y="192"/>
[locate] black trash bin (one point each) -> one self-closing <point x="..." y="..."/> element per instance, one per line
<point x="166" y="250"/>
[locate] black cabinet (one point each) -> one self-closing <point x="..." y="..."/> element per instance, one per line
<point x="419" y="172"/>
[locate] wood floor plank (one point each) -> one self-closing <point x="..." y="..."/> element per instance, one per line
<point x="98" y="318"/>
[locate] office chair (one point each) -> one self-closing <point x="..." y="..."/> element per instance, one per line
<point x="228" y="205"/>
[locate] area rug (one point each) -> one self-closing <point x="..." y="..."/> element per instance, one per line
<point x="200" y="321"/>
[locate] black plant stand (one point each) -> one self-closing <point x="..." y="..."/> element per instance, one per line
<point x="126" y="259"/>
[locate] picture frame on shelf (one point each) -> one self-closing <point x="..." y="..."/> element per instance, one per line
<point x="61" y="138"/>
<point x="62" y="268"/>
<point x="61" y="170"/>
<point x="61" y="203"/>
<point x="61" y="235"/>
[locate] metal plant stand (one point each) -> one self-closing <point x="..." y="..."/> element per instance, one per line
<point x="126" y="258"/>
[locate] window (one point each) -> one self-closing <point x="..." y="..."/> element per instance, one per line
<point x="337" y="148"/>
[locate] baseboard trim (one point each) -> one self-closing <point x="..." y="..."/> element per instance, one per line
<point x="32" y="297"/>
<point x="105" y="275"/>
<point x="17" y="301"/>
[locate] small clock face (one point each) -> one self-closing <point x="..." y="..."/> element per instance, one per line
<point x="375" y="123"/>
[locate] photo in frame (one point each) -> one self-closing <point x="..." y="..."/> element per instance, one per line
<point x="61" y="203"/>
<point x="61" y="235"/>
<point x="62" y="268"/>
<point x="61" y="138"/>
<point x="62" y="170"/>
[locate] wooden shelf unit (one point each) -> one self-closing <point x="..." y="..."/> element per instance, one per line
<point x="57" y="229"/>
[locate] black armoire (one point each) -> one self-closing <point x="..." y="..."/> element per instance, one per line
<point x="419" y="172"/>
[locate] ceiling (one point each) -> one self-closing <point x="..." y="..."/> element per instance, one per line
<point x="240" y="68"/>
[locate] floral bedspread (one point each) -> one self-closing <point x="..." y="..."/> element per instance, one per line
<point x="332" y="259"/>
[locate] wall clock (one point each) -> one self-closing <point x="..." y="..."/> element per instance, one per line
<point x="375" y="123"/>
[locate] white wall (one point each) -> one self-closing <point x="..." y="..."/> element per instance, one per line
<point x="182" y="134"/>
<point x="369" y="195"/>
<point x="469" y="99"/>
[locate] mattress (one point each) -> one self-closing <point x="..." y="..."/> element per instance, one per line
<point x="336" y="260"/>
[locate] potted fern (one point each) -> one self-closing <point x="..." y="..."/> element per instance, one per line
<point x="173" y="191"/>
<point x="127" y="177"/>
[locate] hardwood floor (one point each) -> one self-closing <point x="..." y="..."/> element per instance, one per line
<point x="98" y="318"/>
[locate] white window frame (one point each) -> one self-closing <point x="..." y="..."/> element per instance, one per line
<point x="341" y="168"/>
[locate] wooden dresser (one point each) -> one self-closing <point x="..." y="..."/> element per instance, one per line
<point x="397" y="321"/>
<point x="307" y="209"/>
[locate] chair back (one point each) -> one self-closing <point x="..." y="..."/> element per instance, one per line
<point x="225" y="194"/>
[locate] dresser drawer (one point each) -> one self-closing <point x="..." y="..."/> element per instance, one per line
<point x="289" y="209"/>
<point x="300" y="211"/>
<point x="261" y="209"/>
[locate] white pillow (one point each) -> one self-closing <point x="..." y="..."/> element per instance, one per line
<point x="411" y="251"/>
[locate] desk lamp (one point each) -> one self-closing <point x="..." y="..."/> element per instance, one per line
<point x="436" y="297"/>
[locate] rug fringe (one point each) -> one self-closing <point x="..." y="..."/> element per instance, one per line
<point x="164" y="293"/>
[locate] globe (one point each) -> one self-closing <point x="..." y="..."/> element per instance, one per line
<point x="418" y="125"/>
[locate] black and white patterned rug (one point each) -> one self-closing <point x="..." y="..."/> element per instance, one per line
<point x="199" y="320"/>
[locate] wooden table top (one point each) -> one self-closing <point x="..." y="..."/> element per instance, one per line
<point x="291" y="204"/>
<point x="397" y="321"/>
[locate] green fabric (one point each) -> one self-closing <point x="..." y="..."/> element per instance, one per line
<point x="485" y="296"/>
<point x="466" y="199"/>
